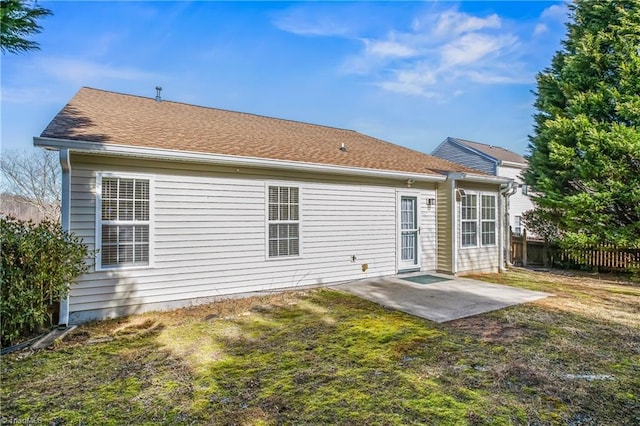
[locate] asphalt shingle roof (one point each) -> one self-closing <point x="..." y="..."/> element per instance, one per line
<point x="499" y="153"/>
<point x="112" y="118"/>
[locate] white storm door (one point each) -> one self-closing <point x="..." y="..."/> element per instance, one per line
<point x="409" y="233"/>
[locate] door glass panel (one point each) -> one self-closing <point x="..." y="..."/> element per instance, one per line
<point x="409" y="233"/>
<point x="408" y="213"/>
<point x="408" y="245"/>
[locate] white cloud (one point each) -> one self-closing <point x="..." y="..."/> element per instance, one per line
<point x="413" y="81"/>
<point x="540" y="29"/>
<point x="31" y="95"/>
<point x="442" y="52"/>
<point x="555" y="12"/>
<point x="316" y="28"/>
<point x="81" y="72"/>
<point x="453" y="22"/>
<point x="551" y="19"/>
<point x="389" y="48"/>
<point x="471" y="48"/>
<point x="314" y="21"/>
<point x="406" y="88"/>
<point x="491" y="77"/>
<point x="57" y="76"/>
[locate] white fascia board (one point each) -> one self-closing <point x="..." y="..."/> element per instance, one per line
<point x="227" y="160"/>
<point x="513" y="164"/>
<point x="469" y="177"/>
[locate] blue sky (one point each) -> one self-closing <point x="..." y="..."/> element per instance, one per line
<point x="411" y="73"/>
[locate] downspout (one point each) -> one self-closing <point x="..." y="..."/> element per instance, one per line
<point x="65" y="163"/>
<point x="454" y="228"/>
<point x="505" y="193"/>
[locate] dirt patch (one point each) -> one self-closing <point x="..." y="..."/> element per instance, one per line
<point x="490" y="330"/>
<point x="76" y="337"/>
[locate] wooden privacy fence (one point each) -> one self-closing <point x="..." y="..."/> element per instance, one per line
<point x="526" y="251"/>
<point x="605" y="258"/>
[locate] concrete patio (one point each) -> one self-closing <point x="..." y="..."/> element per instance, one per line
<point x="447" y="299"/>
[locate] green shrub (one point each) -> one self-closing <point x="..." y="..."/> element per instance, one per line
<point x="39" y="263"/>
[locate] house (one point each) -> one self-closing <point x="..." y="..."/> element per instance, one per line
<point x="185" y="204"/>
<point x="496" y="161"/>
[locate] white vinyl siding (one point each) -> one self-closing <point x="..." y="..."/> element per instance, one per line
<point x="483" y="256"/>
<point x="445" y="228"/>
<point x="123" y="221"/>
<point x="428" y="237"/>
<point x="518" y="202"/>
<point x="283" y="221"/>
<point x="209" y="234"/>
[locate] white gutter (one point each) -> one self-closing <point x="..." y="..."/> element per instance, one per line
<point x="454" y="226"/>
<point x="228" y="160"/>
<point x="65" y="163"/>
<point x="505" y="193"/>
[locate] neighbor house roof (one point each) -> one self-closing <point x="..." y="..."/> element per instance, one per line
<point x="496" y="152"/>
<point x="106" y="117"/>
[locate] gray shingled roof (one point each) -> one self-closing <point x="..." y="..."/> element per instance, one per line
<point x="112" y="118"/>
<point x="496" y="152"/>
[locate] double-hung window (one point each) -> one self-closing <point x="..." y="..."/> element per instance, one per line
<point x="518" y="230"/>
<point x="478" y="228"/>
<point x="123" y="221"/>
<point x="469" y="220"/>
<point x="284" y="221"/>
<point x="488" y="220"/>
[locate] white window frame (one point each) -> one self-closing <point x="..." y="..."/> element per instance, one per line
<point x="98" y="220"/>
<point x="268" y="222"/>
<point x="404" y="266"/>
<point x="478" y="220"/>
<point x="518" y="228"/>
<point x="483" y="220"/>
<point x="473" y="220"/>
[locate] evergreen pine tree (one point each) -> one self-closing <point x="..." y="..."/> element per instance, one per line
<point x="19" y="20"/>
<point x="585" y="150"/>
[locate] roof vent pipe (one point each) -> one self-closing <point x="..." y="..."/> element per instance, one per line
<point x="158" y="90"/>
<point x="342" y="147"/>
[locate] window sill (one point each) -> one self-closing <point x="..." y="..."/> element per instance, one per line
<point x="122" y="268"/>
<point x="277" y="258"/>
<point x="478" y="246"/>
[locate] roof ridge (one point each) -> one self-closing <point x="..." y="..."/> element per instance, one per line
<point x="226" y="110"/>
<point x="485" y="144"/>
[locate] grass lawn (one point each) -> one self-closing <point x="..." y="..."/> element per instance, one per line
<point x="326" y="357"/>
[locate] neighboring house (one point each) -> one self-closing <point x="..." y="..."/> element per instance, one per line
<point x="496" y="161"/>
<point x="20" y="208"/>
<point x="185" y="204"/>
